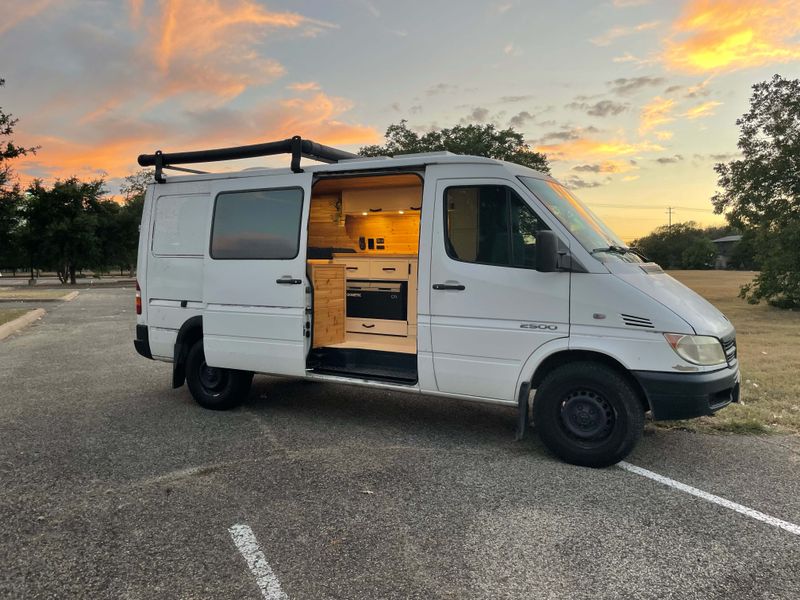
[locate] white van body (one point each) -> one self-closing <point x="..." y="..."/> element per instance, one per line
<point x="492" y="334"/>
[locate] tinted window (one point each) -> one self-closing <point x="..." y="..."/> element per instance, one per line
<point x="257" y="224"/>
<point x="491" y="225"/>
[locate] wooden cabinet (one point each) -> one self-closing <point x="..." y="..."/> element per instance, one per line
<point x="329" y="304"/>
<point x="387" y="200"/>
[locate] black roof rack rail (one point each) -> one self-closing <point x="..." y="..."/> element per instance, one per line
<point x="296" y="146"/>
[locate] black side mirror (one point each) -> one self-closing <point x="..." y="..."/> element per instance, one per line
<point x="546" y="251"/>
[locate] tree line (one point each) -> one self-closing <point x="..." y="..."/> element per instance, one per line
<point x="690" y="246"/>
<point x="72" y="224"/>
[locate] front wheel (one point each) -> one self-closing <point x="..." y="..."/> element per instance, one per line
<point x="214" y="387"/>
<point x="588" y="414"/>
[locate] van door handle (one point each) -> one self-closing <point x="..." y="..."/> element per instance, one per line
<point x="288" y="281"/>
<point x="449" y="286"/>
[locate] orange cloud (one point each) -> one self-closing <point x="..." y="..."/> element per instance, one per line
<point x="117" y="142"/>
<point x="587" y="149"/>
<point x="655" y="113"/>
<point x="705" y="109"/>
<point x="725" y="35"/>
<point x="208" y="46"/>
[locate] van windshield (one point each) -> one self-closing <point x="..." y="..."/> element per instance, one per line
<point x="587" y="228"/>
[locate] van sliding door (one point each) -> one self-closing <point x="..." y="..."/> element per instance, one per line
<point x="254" y="278"/>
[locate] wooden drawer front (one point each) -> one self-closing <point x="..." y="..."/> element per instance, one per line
<point x="357" y="269"/>
<point x="377" y="326"/>
<point x="388" y="269"/>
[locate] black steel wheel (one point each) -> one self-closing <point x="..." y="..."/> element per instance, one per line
<point x="588" y="414"/>
<point x="214" y="387"/>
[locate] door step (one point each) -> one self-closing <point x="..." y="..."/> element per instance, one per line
<point x="377" y="365"/>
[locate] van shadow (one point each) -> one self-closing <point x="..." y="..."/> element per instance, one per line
<point x="323" y="408"/>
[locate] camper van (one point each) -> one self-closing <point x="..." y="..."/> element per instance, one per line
<point x="454" y="276"/>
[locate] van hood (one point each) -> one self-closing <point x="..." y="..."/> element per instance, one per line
<point x="698" y="312"/>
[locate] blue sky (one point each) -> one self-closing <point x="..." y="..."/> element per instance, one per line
<point x="633" y="100"/>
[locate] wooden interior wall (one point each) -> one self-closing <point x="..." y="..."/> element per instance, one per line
<point x="400" y="232"/>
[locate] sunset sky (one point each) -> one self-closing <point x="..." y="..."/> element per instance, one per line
<point x="633" y="101"/>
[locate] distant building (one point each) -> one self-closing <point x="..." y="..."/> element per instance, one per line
<point x="725" y="246"/>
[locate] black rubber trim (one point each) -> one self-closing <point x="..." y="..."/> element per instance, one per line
<point x="688" y="395"/>
<point x="142" y="342"/>
<point x="181" y="350"/>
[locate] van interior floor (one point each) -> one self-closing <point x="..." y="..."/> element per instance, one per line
<point x="393" y="367"/>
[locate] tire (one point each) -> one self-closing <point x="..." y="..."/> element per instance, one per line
<point x="588" y="414"/>
<point x="215" y="388"/>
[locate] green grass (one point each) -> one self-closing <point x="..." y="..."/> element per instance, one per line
<point x="768" y="341"/>
<point x="9" y="314"/>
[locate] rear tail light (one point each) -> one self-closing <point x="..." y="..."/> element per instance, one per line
<point x="138" y="299"/>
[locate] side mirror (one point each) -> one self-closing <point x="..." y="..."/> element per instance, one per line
<point x="546" y="251"/>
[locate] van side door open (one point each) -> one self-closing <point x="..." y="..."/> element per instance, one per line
<point x="255" y="280"/>
<point x="490" y="309"/>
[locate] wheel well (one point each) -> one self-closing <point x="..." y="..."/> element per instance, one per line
<point x="569" y="356"/>
<point x="190" y="332"/>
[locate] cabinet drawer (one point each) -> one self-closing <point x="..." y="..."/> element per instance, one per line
<point x="377" y="326"/>
<point x="354" y="269"/>
<point x="388" y="269"/>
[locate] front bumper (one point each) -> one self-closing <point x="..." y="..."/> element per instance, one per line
<point x="688" y="395"/>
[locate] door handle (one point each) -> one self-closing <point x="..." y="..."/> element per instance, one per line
<point x="288" y="281"/>
<point x="449" y="286"/>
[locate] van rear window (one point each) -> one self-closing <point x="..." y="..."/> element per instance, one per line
<point x="180" y="222"/>
<point x="257" y="224"/>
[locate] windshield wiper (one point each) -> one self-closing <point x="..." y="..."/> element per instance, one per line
<point x="612" y="248"/>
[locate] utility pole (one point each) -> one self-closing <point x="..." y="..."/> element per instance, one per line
<point x="670" y="210"/>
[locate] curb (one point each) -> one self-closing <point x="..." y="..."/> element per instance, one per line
<point x="20" y="322"/>
<point x="65" y="298"/>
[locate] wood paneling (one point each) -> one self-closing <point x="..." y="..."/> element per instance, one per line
<point x="329" y="304"/>
<point x="337" y="184"/>
<point x="327" y="228"/>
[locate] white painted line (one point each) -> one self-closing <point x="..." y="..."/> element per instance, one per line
<point x="744" y="510"/>
<point x="245" y="541"/>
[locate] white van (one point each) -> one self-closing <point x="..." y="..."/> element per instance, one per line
<point x="445" y="275"/>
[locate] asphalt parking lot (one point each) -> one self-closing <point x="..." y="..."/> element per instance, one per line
<point x="114" y="485"/>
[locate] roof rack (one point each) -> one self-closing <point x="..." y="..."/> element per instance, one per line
<point x="296" y="146"/>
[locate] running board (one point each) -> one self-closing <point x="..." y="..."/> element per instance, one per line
<point x="358" y="363"/>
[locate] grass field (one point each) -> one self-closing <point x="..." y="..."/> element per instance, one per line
<point x="32" y="293"/>
<point x="9" y="314"/>
<point x="768" y="341"/>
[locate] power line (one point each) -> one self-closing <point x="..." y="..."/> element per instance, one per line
<point x="655" y="207"/>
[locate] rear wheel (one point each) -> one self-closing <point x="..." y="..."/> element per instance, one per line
<point x="213" y="387"/>
<point x="588" y="414"/>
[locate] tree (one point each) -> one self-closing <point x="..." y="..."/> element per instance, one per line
<point x="760" y="193"/>
<point x="682" y="245"/>
<point x="699" y="254"/>
<point x="63" y="225"/>
<point x="130" y="217"/>
<point x="477" y="140"/>
<point x="9" y="191"/>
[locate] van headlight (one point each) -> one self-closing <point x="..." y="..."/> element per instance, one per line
<point x="697" y="349"/>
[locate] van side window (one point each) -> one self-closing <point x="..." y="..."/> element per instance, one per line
<point x="491" y="225"/>
<point x="261" y="224"/>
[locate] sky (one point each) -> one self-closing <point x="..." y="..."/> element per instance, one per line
<point x="633" y="101"/>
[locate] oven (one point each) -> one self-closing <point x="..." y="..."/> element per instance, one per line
<point x="377" y="299"/>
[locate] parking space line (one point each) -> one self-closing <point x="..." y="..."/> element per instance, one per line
<point x="749" y="512"/>
<point x="267" y="582"/>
